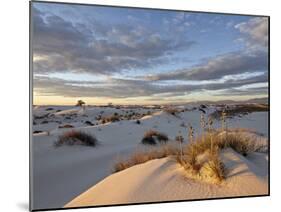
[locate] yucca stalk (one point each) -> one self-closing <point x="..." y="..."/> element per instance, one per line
<point x="180" y="140"/>
<point x="190" y="133"/>
<point x="223" y="120"/>
<point x="203" y="125"/>
<point x="210" y="124"/>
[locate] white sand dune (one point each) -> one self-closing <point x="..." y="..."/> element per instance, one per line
<point x="61" y="174"/>
<point x="165" y="180"/>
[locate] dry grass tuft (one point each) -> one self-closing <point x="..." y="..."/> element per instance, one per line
<point x="66" y="126"/>
<point x="239" y="142"/>
<point x="240" y="110"/>
<point x="171" y="110"/>
<point x="112" y="118"/>
<point x="76" y="138"/>
<point x="151" y="136"/>
<point x="144" y="156"/>
<point x="215" y="168"/>
<point x="201" y="158"/>
<point x="205" y="166"/>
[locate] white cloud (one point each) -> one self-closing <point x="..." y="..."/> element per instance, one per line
<point x="256" y="31"/>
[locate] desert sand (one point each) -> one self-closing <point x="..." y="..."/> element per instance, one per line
<point x="81" y="175"/>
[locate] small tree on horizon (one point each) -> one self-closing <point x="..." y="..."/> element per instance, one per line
<point x="80" y="103"/>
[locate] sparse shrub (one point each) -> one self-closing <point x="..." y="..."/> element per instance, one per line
<point x="210" y="169"/>
<point x="179" y="138"/>
<point x="240" y="110"/>
<point x="171" y="110"/>
<point x="112" y="118"/>
<point x="203" y="106"/>
<point x="144" y="156"/>
<point x="66" y="126"/>
<point x="216" y="166"/>
<point x="202" y="122"/>
<point x="203" y="111"/>
<point x="80" y="103"/>
<point x="190" y="133"/>
<point x="223" y="120"/>
<point x="239" y="142"/>
<point x="148" y="140"/>
<point x="150" y="133"/>
<point x="89" y="123"/>
<point x="160" y="137"/>
<point x="37" y="131"/>
<point x="76" y="138"/>
<point x="209" y="145"/>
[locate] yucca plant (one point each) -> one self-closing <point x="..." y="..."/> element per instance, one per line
<point x="190" y="133"/>
<point x="223" y="120"/>
<point x="179" y="138"/>
<point x="210" y="128"/>
<point x="203" y="124"/>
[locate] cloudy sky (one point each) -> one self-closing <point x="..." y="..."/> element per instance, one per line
<point x="136" y="56"/>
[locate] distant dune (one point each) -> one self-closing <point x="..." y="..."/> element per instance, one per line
<point x="256" y="101"/>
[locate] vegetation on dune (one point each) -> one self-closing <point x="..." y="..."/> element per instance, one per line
<point x="208" y="146"/>
<point x="144" y="156"/>
<point x="239" y="110"/>
<point x="200" y="158"/>
<point x="37" y="131"/>
<point x="66" y="126"/>
<point x="172" y="110"/>
<point x="80" y="103"/>
<point x="75" y="137"/>
<point x="111" y="118"/>
<point x="89" y="123"/>
<point x="151" y="136"/>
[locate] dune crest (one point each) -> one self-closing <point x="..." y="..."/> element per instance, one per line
<point x="165" y="180"/>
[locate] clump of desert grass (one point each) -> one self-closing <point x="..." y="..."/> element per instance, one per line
<point x="201" y="156"/>
<point x="112" y="118"/>
<point x="172" y="110"/>
<point x="75" y="137"/>
<point x="143" y="156"/>
<point x="201" y="160"/>
<point x="240" y="110"/>
<point x="152" y="137"/>
<point x="66" y="126"/>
